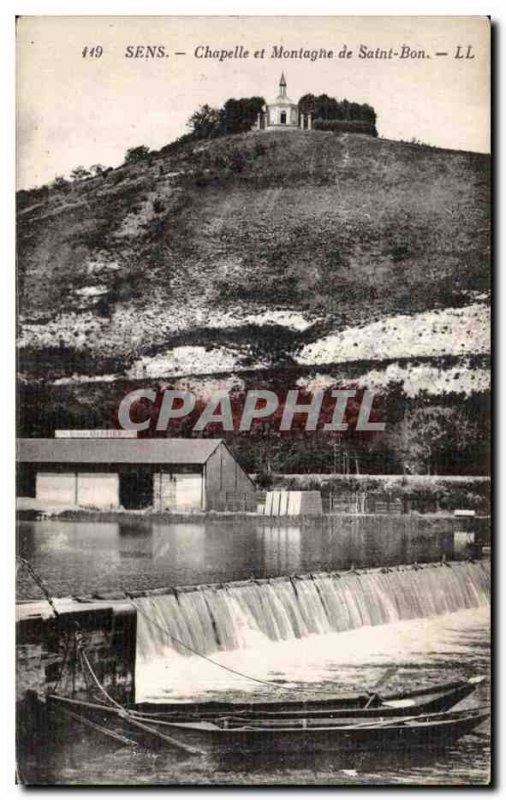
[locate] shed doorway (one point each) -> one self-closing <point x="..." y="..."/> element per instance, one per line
<point x="136" y="488"/>
<point x="188" y="492"/>
<point x="179" y="491"/>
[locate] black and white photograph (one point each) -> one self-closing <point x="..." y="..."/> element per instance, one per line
<point x="253" y="376"/>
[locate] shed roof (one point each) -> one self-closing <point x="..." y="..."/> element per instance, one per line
<point x="116" y="451"/>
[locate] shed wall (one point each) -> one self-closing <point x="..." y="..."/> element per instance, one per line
<point x="228" y="488"/>
<point x="178" y="491"/>
<point x="58" y="488"/>
<point x="98" y="489"/>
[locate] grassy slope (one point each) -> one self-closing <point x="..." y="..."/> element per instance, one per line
<point x="344" y="229"/>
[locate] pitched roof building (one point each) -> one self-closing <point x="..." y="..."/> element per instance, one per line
<point x="282" y="112"/>
<point x="165" y="474"/>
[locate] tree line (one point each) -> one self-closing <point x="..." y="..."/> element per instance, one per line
<point x="239" y="116"/>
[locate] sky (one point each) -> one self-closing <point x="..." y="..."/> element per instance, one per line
<point x="80" y="110"/>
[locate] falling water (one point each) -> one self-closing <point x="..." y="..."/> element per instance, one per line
<point x="230" y="617"/>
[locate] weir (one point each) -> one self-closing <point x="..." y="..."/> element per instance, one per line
<point x="227" y="617"/>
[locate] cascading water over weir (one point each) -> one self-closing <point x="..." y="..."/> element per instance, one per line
<point x="230" y="616"/>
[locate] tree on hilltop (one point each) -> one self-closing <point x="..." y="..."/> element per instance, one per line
<point x="328" y="108"/>
<point x="236" y="116"/>
<point x="79" y="173"/>
<point x="59" y="183"/>
<point x="239" y="116"/>
<point x="205" y="122"/>
<point x="307" y="104"/>
<point x="135" y="154"/>
<point x="97" y="169"/>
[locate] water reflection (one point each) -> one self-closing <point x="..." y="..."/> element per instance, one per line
<point x="184" y="545"/>
<point x="134" y="541"/>
<point x="281" y="548"/>
<point x="80" y="556"/>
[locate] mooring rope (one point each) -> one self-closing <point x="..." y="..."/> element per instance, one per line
<point x="85" y="659"/>
<point x="38" y="580"/>
<point x="63" y="663"/>
<point x="40" y="583"/>
<point x="211" y="660"/>
<point x="164" y="630"/>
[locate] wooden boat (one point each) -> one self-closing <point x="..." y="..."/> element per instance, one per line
<point x="235" y="734"/>
<point x="431" y="731"/>
<point x="420" y="701"/>
<point x="138" y="726"/>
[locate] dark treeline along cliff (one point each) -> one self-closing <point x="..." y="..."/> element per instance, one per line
<point x="428" y="435"/>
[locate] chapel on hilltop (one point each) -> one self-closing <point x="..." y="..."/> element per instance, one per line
<point x="282" y="112"/>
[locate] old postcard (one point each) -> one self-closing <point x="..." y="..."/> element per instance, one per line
<point x="253" y="454"/>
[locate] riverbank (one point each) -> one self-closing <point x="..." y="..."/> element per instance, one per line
<point x="38" y="511"/>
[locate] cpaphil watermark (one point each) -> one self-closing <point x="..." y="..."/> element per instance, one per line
<point x="323" y="410"/>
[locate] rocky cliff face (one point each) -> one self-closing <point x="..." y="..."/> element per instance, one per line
<point x="332" y="258"/>
<point x="257" y="249"/>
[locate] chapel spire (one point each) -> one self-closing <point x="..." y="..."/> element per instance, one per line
<point x="282" y="85"/>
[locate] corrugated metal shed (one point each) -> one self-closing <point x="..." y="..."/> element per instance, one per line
<point x="116" y="451"/>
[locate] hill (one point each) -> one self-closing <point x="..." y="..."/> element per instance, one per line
<point x="332" y="257"/>
<point x="302" y="231"/>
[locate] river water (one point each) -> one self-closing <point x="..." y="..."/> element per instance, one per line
<point x="424" y="651"/>
<point x="87" y="556"/>
<point x="431" y="624"/>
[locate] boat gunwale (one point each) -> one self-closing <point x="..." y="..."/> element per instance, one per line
<point x="399" y="723"/>
<point x="302" y="706"/>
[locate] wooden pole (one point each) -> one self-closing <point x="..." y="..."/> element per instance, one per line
<point x="130" y="720"/>
<point x="101" y="729"/>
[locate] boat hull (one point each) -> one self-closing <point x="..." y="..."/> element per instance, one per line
<point x="426" y="701"/>
<point x="431" y="736"/>
<point x="407" y="733"/>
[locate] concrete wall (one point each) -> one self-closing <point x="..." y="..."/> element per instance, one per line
<point x="109" y="636"/>
<point x="228" y="487"/>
